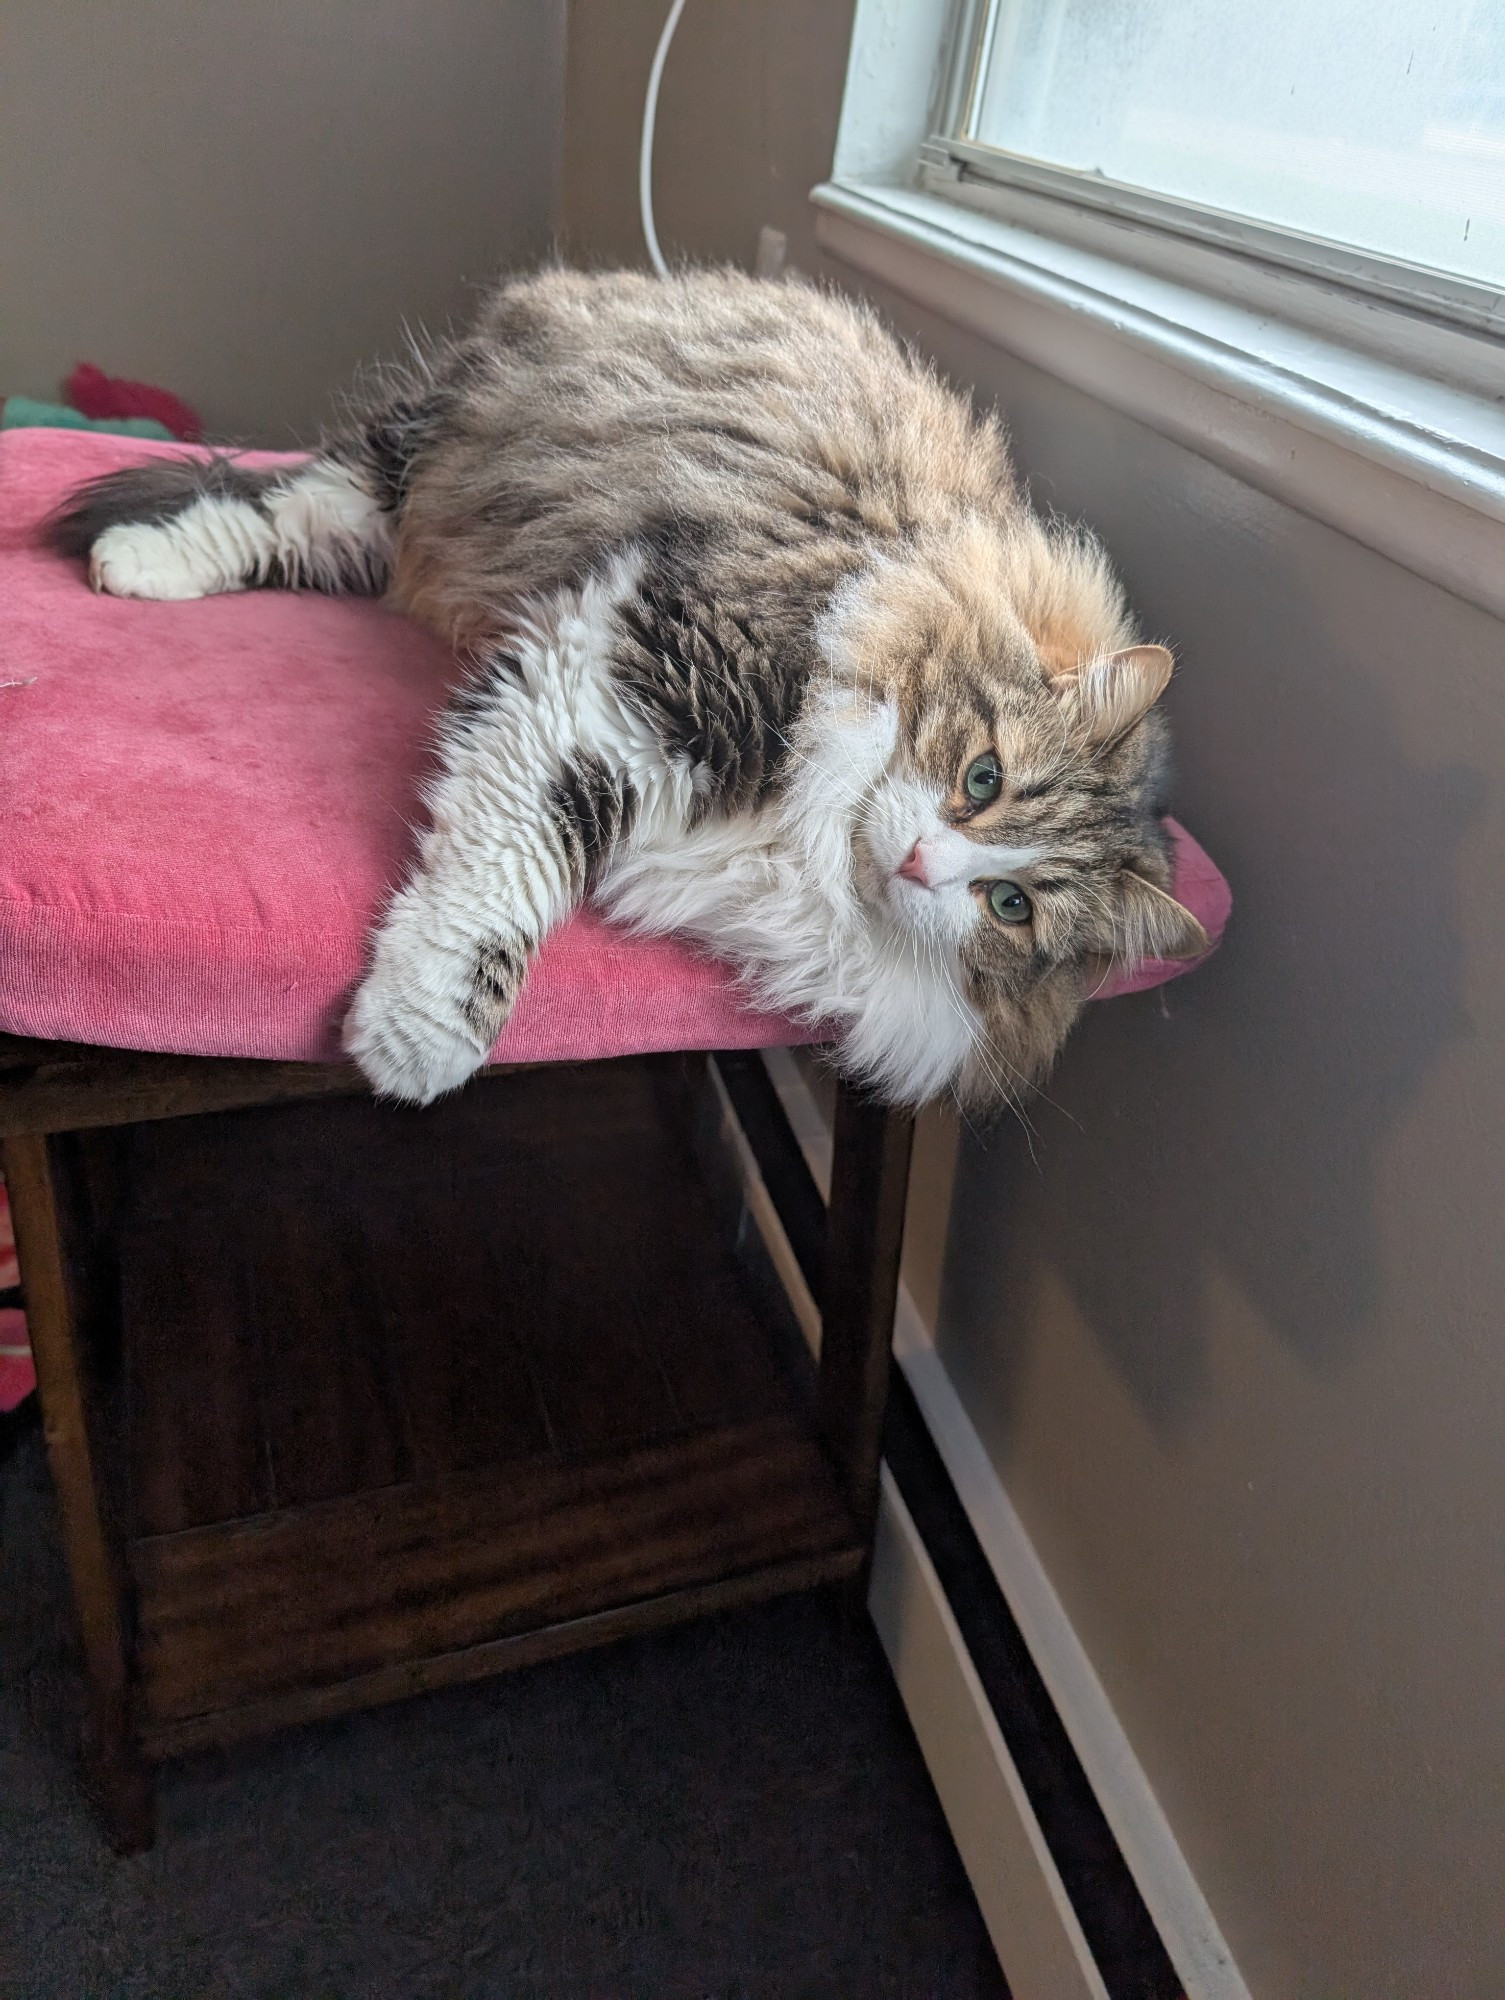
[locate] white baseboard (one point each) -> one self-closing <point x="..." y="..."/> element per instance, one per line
<point x="979" y="1791"/>
<point x="1176" y="1904"/>
<point x="1019" y="1892"/>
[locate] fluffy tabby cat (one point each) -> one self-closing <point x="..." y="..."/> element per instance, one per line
<point x="768" y="649"/>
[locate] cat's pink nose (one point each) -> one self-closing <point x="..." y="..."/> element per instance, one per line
<point x="912" y="868"/>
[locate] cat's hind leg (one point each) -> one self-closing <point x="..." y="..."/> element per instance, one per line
<point x="546" y="773"/>
<point x="191" y="527"/>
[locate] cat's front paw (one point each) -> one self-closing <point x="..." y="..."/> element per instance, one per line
<point x="402" y="1050"/>
<point x="424" y="1018"/>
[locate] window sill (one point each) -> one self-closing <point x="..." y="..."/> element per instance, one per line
<point x="1407" y="465"/>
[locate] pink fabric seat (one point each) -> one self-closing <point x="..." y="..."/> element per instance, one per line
<point x="203" y="806"/>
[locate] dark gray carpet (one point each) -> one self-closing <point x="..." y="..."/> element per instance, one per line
<point x="727" y="1812"/>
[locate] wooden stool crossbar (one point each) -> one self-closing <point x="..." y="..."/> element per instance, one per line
<point x="243" y="1554"/>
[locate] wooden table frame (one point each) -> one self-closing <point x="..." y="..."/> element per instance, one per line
<point x="51" y="1090"/>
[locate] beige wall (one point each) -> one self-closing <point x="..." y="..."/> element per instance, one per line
<point x="241" y="199"/>
<point x="1234" y="1344"/>
<point x="746" y="125"/>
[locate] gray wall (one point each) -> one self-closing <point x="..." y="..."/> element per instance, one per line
<point x="1234" y="1343"/>
<point x="242" y="199"/>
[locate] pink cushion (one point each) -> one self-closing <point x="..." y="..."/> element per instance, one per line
<point x="203" y="806"/>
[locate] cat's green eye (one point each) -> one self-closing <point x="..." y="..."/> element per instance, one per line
<point x="1009" y="903"/>
<point x="984" y="779"/>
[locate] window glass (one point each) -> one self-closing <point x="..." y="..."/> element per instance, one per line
<point x="1374" y="123"/>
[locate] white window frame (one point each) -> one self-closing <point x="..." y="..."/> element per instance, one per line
<point x="954" y="156"/>
<point x="1365" y="391"/>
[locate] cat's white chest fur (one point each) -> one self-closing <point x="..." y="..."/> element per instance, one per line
<point x="774" y="892"/>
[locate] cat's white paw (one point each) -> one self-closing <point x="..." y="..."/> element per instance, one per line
<point x="141" y="559"/>
<point x="403" y="1044"/>
<point x="426" y="1014"/>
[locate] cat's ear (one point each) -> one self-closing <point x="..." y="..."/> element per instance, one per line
<point x="1107" y="696"/>
<point x="1148" y="923"/>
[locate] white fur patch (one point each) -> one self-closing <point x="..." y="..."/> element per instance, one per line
<point x="777" y="893"/>
<point x="902" y="810"/>
<point x="407" y="1028"/>
<point x="213" y="545"/>
<point x="324" y="522"/>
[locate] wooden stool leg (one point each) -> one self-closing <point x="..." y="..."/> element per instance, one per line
<point x="864" y="1234"/>
<point x="118" y="1774"/>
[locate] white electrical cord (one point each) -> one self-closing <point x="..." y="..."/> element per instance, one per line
<point x="645" y="151"/>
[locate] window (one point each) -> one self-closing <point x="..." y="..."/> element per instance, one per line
<point x="1273" y="232"/>
<point x="1362" y="137"/>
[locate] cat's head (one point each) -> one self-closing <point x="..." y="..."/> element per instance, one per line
<point x="1010" y="833"/>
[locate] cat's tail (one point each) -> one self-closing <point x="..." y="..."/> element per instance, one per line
<point x="195" y="526"/>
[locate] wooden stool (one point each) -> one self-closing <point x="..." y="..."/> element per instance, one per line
<point x="345" y="1401"/>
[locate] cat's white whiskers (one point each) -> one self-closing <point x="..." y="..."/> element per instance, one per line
<point x="981" y="1052"/>
<point x="850" y="797"/>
